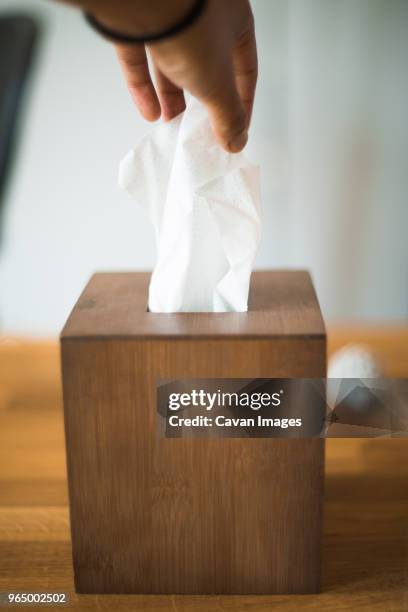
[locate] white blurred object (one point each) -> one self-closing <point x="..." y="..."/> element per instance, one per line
<point x="353" y="361"/>
<point x="204" y="205"/>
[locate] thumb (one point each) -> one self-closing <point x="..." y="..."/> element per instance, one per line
<point x="227" y="114"/>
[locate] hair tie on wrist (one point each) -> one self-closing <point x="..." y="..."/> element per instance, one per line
<point x="119" y="37"/>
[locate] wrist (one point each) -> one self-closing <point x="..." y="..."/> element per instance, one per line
<point x="144" y="17"/>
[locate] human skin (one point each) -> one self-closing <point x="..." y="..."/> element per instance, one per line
<point x="214" y="59"/>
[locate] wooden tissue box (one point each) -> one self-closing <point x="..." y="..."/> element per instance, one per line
<point x="211" y="515"/>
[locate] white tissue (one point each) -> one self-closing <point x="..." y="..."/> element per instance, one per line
<point x="204" y="205"/>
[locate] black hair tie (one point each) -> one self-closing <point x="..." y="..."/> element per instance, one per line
<point x="119" y="37"/>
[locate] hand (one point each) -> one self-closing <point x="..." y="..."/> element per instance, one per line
<point x="214" y="59"/>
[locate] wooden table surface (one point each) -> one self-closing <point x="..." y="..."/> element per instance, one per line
<point x="366" y="505"/>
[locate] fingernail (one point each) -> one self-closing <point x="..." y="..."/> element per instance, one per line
<point x="238" y="142"/>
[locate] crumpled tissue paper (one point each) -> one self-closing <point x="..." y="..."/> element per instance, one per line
<point x="204" y="204"/>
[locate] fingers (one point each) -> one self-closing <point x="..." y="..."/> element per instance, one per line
<point x="170" y="102"/>
<point x="227" y="89"/>
<point x="171" y="97"/>
<point x="231" y="106"/>
<point x="226" y="111"/>
<point x="136" y="70"/>
<point x="245" y="64"/>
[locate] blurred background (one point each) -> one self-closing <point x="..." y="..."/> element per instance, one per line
<point x="330" y="132"/>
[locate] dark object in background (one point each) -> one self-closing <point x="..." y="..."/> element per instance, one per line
<point x="18" y="35"/>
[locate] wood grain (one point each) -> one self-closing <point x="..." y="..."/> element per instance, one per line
<point x="366" y="498"/>
<point x="198" y="516"/>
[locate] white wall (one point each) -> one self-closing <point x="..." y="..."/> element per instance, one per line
<point x="348" y="140"/>
<point x="66" y="217"/>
